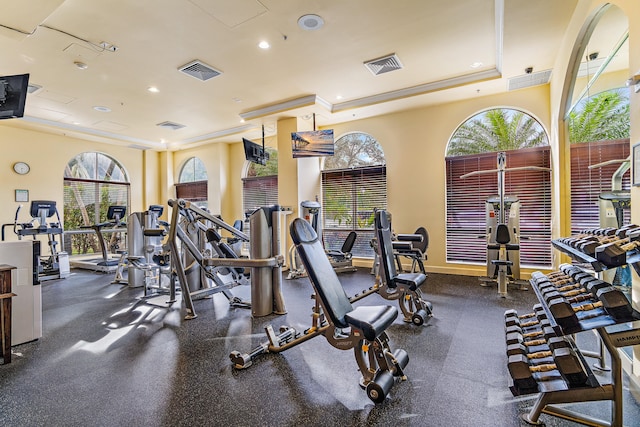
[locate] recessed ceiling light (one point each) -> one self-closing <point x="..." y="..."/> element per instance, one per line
<point x="102" y="109"/>
<point x="338" y="96"/>
<point x="310" y="22"/>
<point x="153" y="89"/>
<point x="477" y="64"/>
<point x="264" y="45"/>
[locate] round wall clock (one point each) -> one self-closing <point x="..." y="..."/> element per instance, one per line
<point x="21" y="168"/>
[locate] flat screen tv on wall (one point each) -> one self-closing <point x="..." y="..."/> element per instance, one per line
<point x="254" y="152"/>
<point x="13" y="95"/>
<point x="312" y="143"/>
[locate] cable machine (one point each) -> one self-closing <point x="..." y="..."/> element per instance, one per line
<point x="503" y="230"/>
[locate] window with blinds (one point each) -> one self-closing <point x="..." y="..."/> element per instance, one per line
<point x="466" y="222"/>
<point x="587" y="184"/>
<point x="349" y="197"/>
<point x="93" y="182"/>
<point x="193" y="182"/>
<point x="259" y="191"/>
<point x="192" y="191"/>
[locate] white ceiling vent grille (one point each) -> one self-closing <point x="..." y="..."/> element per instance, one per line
<point x="199" y="70"/>
<point x="384" y="64"/>
<point x="171" y="125"/>
<point x="528" y="80"/>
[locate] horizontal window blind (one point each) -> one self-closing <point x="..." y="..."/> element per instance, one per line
<point x="587" y="184"/>
<point x="465" y="218"/>
<point x="85" y="203"/>
<point x="259" y="191"/>
<point x="349" y="197"/>
<point x="195" y="191"/>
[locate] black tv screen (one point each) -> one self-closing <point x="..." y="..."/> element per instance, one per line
<point x="13" y="95"/>
<point x="254" y="152"/>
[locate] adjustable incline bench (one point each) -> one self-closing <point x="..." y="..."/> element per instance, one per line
<point x="344" y="326"/>
<point x="391" y="285"/>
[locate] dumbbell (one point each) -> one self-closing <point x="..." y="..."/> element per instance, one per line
<point x="566" y="361"/>
<point x="614" y="254"/>
<point x="531" y="339"/>
<point x="552" y="344"/>
<point x="625" y="230"/>
<point x="615" y="303"/>
<point x="565" y="314"/>
<point x="511" y="317"/>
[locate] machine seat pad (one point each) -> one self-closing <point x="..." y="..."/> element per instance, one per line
<point x="501" y="262"/>
<point x="512" y="247"/>
<point x="372" y="320"/>
<point x="412" y="280"/>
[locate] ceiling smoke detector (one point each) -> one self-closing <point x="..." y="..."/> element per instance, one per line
<point x="199" y="70"/>
<point x="384" y="64"/>
<point x="310" y="22"/>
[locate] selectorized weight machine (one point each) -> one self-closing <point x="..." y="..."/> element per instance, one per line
<point x="503" y="231"/>
<point x="203" y="264"/>
<point x="143" y="261"/>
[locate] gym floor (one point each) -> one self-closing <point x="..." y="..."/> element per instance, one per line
<point x="109" y="359"/>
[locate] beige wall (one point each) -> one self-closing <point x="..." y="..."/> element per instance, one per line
<point x="415" y="143"/>
<point x="48" y="154"/>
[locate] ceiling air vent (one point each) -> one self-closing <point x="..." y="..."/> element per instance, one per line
<point x="528" y="80"/>
<point x="384" y="64"/>
<point x="199" y="70"/>
<point x="170" y="125"/>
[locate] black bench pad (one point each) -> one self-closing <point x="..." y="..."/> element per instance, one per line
<point x="412" y="280"/>
<point x="372" y="320"/>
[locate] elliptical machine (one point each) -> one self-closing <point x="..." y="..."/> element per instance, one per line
<point x="46" y="267"/>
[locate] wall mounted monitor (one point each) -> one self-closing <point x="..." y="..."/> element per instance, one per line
<point x="254" y="152"/>
<point x="13" y="95"/>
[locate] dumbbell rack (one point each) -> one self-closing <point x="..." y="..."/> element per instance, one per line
<point x="614" y="334"/>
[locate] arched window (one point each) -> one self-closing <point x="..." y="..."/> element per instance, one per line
<point x="474" y="147"/>
<point x="92" y="183"/>
<point x="192" y="182"/>
<point x="599" y="128"/>
<point x="260" y="183"/>
<point x="354" y="183"/>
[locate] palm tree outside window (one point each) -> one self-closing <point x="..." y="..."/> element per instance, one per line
<point x="474" y="147"/>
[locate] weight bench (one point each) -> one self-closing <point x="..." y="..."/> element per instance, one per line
<point x="402" y="286"/>
<point x="345" y="327"/>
